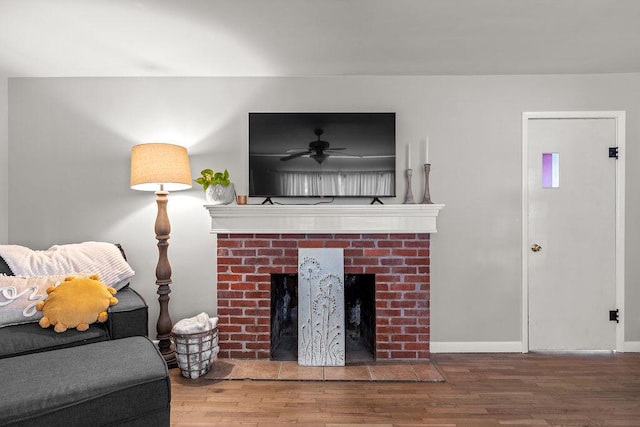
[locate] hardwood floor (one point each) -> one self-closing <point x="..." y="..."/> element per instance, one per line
<point x="480" y="390"/>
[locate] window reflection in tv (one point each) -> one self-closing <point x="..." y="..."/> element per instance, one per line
<point x="322" y="155"/>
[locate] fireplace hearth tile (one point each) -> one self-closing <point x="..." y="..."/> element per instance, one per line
<point x="245" y="369"/>
<point x="255" y="369"/>
<point x="347" y="373"/>
<point x="393" y="371"/>
<point x="293" y="371"/>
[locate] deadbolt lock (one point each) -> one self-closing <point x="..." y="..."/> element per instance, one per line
<point x="536" y="247"/>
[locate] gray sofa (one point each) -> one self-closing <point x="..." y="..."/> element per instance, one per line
<point x="126" y="319"/>
<point x="111" y="374"/>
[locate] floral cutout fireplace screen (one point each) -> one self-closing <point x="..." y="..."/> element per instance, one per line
<point x="321" y="336"/>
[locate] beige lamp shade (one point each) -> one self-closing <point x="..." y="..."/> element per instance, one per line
<point x="159" y="166"/>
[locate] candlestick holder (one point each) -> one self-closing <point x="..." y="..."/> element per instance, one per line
<point x="427" y="196"/>
<point x="408" y="198"/>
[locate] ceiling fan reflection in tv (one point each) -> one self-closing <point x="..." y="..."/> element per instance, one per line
<point x="318" y="150"/>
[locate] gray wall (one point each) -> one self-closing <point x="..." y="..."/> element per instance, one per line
<point x="4" y="160"/>
<point x="70" y="139"/>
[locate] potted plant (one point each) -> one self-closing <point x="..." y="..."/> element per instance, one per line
<point x="217" y="186"/>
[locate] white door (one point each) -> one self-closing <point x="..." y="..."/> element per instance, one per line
<point x="572" y="233"/>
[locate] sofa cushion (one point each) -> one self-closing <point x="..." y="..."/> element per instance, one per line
<point x="31" y="338"/>
<point x="121" y="382"/>
<point x="130" y="317"/>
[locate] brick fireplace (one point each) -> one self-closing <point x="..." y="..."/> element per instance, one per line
<point x="399" y="261"/>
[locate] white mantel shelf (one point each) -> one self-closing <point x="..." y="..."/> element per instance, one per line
<point x="343" y="219"/>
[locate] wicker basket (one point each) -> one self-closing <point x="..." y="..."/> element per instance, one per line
<point x="196" y="352"/>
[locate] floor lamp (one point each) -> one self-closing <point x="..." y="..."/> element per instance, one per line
<point x="161" y="168"/>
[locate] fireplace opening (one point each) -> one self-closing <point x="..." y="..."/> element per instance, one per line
<point x="359" y="305"/>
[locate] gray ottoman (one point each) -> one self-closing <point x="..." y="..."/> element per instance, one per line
<point x="119" y="382"/>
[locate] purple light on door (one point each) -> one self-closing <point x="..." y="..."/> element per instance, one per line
<point x="550" y="170"/>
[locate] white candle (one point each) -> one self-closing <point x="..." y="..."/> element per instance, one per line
<point x="426" y="151"/>
<point x="408" y="156"/>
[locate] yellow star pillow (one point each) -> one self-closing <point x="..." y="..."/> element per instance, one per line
<point x="76" y="303"/>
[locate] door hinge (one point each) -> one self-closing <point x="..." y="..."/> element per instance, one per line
<point x="613" y="152"/>
<point x="614" y="315"/>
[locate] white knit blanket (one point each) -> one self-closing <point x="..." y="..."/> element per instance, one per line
<point x="101" y="258"/>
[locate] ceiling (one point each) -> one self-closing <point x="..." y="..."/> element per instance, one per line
<point x="46" y="38"/>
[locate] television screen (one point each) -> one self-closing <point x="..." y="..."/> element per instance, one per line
<point x="322" y="154"/>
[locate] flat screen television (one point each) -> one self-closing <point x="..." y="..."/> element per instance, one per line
<point x="322" y="155"/>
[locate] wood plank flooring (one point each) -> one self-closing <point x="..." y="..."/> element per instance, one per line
<point x="480" y="390"/>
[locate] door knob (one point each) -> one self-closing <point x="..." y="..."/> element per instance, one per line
<point x="536" y="247"/>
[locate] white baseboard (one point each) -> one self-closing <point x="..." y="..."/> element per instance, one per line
<point x="500" y="347"/>
<point x="476" y="347"/>
<point x="632" y="346"/>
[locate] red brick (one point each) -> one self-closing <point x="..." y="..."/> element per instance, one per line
<point x="262" y="329"/>
<point x="392" y="261"/>
<point x="242" y="236"/>
<point x="270" y="252"/>
<point x="256" y="312"/>
<point x="223" y="315"/>
<point x="416" y="313"/>
<point x="353" y="253"/>
<point x="374" y="236"/>
<point x="230" y="260"/>
<point x="257" y="294"/>
<point x="423" y="244"/>
<point x="382" y="313"/>
<point x="336" y="244"/>
<point x="223" y="286"/>
<point x="232" y="345"/>
<point x="414" y="295"/>
<point x="363" y="244"/>
<point x="402" y="304"/>
<point x="403" y="321"/>
<point x="365" y="261"/>
<point x="258" y="278"/>
<point x="258" y="261"/>
<point x="285" y="261"/>
<point x="229" y="294"/>
<point x="386" y="330"/>
<point x="243" y="286"/>
<point x="404" y="270"/>
<point x="405" y="253"/>
<point x="263" y="320"/>
<point x="416" y="346"/>
<point x="229" y="329"/>
<point x="270" y="269"/>
<point x="381" y="305"/>
<point x="414" y="278"/>
<point x="397" y="287"/>
<point x="258" y="345"/>
<point x="388" y="346"/>
<point x="377" y="252"/>
<point x="389" y="295"/>
<point x="406" y="338"/>
<point x="403" y="355"/>
<point x="311" y="244"/>
<point x="229" y="277"/>
<point x="386" y="278"/>
<point x="238" y="320"/>
<point x="223" y="243"/>
<point x="284" y="244"/>
<point x="416" y="329"/>
<point x="242" y="337"/>
<point x="245" y="303"/>
<point x="389" y="243"/>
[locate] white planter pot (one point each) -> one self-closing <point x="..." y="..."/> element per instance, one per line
<point x="220" y="195"/>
